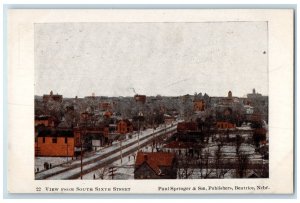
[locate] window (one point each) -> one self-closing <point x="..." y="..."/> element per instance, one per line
<point x="44" y="139"/>
<point x="66" y="140"/>
<point x="54" y="140"/>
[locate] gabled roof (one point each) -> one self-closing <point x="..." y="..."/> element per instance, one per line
<point x="155" y="160"/>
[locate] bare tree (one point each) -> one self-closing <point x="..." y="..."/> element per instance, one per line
<point x="185" y="167"/>
<point x="207" y="164"/>
<point x="218" y="161"/>
<point x="242" y="164"/>
<point x="102" y="172"/>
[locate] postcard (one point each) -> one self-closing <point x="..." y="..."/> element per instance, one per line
<point x="150" y="101"/>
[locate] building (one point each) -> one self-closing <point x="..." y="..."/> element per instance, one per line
<point x="105" y="106"/>
<point x="225" y="125"/>
<point x="55" y="143"/>
<point x="52" y="97"/>
<point x="91" y="137"/>
<point x="248" y="109"/>
<point x="140" y="98"/>
<point x="124" y="126"/>
<point x="260" y="104"/>
<point x="183" y="127"/>
<point x="178" y="147"/>
<point x="46" y="120"/>
<point x="254" y="94"/>
<point x="107" y="114"/>
<point x="168" y="119"/>
<point x="86" y="116"/>
<point x="155" y="165"/>
<point x="199" y="105"/>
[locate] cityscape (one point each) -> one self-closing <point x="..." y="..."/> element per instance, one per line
<point x="197" y="136"/>
<point x="151" y="100"/>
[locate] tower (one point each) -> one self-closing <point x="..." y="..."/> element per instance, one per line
<point x="229" y="94"/>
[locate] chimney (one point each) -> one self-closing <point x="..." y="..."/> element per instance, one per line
<point x="145" y="157"/>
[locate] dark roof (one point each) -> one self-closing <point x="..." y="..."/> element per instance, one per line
<point x="55" y="133"/>
<point x="177" y="144"/>
<point x="94" y="135"/>
<point x="155" y="160"/>
<point x="42" y="117"/>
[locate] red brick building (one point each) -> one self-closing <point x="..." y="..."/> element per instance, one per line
<point x="124" y="126"/>
<point x="225" y="125"/>
<point x="183" y="127"/>
<point x="199" y="105"/>
<point x="58" y="143"/>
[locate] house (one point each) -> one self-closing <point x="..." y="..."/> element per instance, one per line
<point x="91" y="137"/>
<point x="199" y="105"/>
<point x="52" y="97"/>
<point x="140" y="98"/>
<point x="85" y="116"/>
<point x="225" y="125"/>
<point x="168" y="119"/>
<point x="155" y="165"/>
<point x="177" y="147"/>
<point x="124" y="126"/>
<point x="105" y="106"/>
<point x="46" y="120"/>
<point x="107" y="114"/>
<point x="55" y="143"/>
<point x="183" y="127"/>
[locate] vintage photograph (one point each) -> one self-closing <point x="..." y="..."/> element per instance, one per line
<point x="151" y="100"/>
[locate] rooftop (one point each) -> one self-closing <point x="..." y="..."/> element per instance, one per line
<point x="155" y="160"/>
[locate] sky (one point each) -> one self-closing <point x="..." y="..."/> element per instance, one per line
<point x="170" y="59"/>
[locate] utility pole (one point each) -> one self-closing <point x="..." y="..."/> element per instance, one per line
<point x="112" y="170"/>
<point x="121" y="151"/>
<point x="81" y="152"/>
<point x="138" y="134"/>
<point x="80" y="157"/>
<point x="67" y="151"/>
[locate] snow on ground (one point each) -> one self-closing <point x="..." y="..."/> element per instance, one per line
<point x="123" y="171"/>
<point x="67" y="174"/>
<point x="39" y="161"/>
<point x="58" y="160"/>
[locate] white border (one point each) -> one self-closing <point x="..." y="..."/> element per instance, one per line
<point x="20" y="94"/>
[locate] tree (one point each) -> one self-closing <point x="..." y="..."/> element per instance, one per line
<point x="185" y="166"/>
<point x="102" y="172"/>
<point x="218" y="161"/>
<point x="207" y="164"/>
<point x="242" y="165"/>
